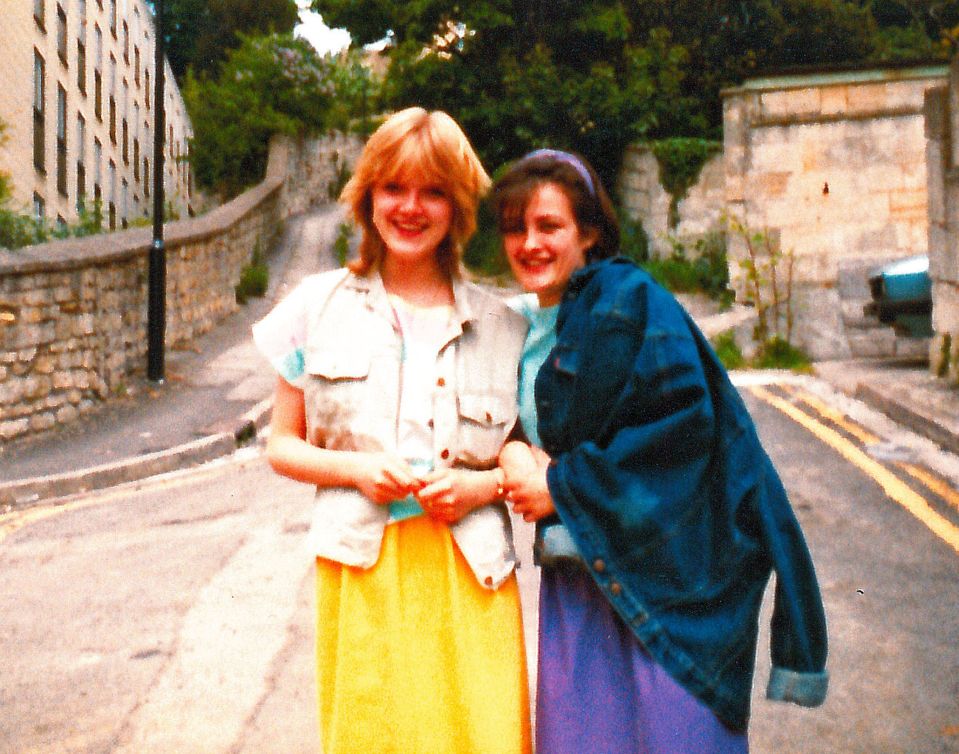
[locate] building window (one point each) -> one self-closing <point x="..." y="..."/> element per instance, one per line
<point x="61" y="140"/>
<point x="97" y="169"/>
<point x="112" y="195"/>
<point x="81" y="159"/>
<point x="124" y="201"/>
<point x="39" y="207"/>
<point x="146" y="87"/>
<point x="126" y="43"/>
<point x="125" y="134"/>
<point x="113" y="18"/>
<point x="39" y="13"/>
<point x="62" y="34"/>
<point x="136" y="65"/>
<point x="146" y="177"/>
<point x="39" y="112"/>
<point x="82" y="5"/>
<point x="98" y="95"/>
<point x="81" y="66"/>
<point x="113" y="119"/>
<point x="97" y="47"/>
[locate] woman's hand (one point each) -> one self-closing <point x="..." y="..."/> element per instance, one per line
<point x="524" y="467"/>
<point x="383" y="478"/>
<point x="449" y="494"/>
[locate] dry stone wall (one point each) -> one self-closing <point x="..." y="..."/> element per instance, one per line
<point x="73" y="312"/>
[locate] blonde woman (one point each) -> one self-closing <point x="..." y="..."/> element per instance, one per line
<point x="396" y="391"/>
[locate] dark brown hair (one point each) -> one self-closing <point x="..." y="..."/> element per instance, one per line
<point x="592" y="207"/>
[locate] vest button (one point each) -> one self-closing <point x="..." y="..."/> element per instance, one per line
<point x="445" y="454"/>
<point x="615" y="588"/>
<point x="599" y="565"/>
<point x="441" y="382"/>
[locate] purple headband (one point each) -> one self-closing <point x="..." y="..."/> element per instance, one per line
<point x="570" y="159"/>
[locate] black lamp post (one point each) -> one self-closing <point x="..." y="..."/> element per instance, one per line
<point x="156" y="293"/>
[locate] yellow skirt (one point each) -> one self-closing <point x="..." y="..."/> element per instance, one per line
<point x="415" y="657"/>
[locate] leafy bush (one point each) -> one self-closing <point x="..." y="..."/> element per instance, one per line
<point x="254" y="278"/>
<point x="707" y="272"/>
<point x="680" y="161"/>
<point x="341" y="245"/>
<point x="269" y="85"/>
<point x="728" y="350"/>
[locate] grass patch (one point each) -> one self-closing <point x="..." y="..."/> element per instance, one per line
<point x="775" y="354"/>
<point x="254" y="278"/>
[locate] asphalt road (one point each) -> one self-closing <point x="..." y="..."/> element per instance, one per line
<point x="176" y="615"/>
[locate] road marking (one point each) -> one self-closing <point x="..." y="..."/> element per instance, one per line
<point x="835" y="416"/>
<point x="894" y="487"/>
<point x="933" y="483"/>
<point x="12" y="522"/>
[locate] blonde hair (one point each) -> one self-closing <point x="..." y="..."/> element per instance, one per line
<point x="430" y="145"/>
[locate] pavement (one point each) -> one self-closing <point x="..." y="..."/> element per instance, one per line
<point x="216" y="396"/>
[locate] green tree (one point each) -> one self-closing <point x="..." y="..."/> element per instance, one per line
<point x="594" y="75"/>
<point x="271" y="84"/>
<point x="199" y="33"/>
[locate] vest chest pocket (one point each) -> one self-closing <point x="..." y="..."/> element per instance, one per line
<point x="337" y="398"/>
<point x="484" y="421"/>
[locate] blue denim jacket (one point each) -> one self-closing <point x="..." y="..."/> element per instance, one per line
<point x="670" y="499"/>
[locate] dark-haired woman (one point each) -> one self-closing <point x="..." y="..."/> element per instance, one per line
<point x="659" y="516"/>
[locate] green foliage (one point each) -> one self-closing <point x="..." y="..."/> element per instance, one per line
<point x="633" y="241"/>
<point x="269" y="85"/>
<point x="778" y="353"/>
<point x="200" y="33"/>
<point x="595" y="75"/>
<point x="484" y="254"/>
<point x="774" y="354"/>
<point x="706" y="272"/>
<point x="680" y="161"/>
<point x="341" y="245"/>
<point x="254" y="278"/>
<point x="728" y="351"/>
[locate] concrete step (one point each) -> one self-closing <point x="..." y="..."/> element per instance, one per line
<point x="884" y="343"/>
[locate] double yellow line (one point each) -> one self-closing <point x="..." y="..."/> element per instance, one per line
<point x="892" y="485"/>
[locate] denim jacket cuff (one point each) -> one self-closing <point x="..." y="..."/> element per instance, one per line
<point x="806" y="689"/>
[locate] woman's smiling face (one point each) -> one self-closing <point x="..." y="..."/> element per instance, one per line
<point x="545" y="245"/>
<point x="412" y="215"/>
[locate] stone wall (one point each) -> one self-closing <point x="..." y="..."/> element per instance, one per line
<point x="833" y="166"/>
<point x="645" y="200"/>
<point x="942" y="156"/>
<point x="73" y="313"/>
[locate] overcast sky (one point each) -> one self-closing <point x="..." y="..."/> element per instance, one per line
<point x="321" y="36"/>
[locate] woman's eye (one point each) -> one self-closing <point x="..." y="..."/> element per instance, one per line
<point x="436" y="192"/>
<point x="391" y="187"/>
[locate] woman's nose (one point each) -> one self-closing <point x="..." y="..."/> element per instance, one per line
<point x="411" y="201"/>
<point x="530" y="239"/>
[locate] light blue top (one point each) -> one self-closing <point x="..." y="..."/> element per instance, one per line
<point x="539" y="342"/>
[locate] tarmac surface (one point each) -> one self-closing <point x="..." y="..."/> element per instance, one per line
<point x="216" y="395"/>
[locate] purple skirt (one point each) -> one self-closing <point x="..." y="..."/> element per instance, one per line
<point x="599" y="692"/>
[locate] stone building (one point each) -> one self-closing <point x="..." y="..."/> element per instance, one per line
<point x="832" y="167"/>
<point x="76" y="95"/>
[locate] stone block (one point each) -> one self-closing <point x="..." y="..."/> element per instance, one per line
<point x="42" y="422"/>
<point x="67" y="414"/>
<point x="784" y="104"/>
<point x="866" y="98"/>
<point x="12" y="429"/>
<point x="833" y="100"/>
